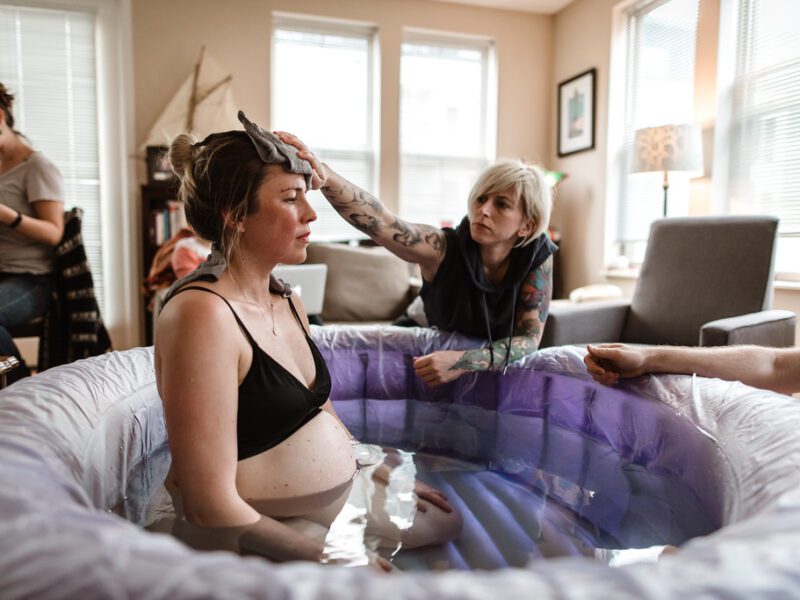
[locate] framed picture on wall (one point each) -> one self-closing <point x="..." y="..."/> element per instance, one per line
<point x="576" y="108"/>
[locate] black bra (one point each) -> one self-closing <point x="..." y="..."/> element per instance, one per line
<point x="273" y="403"/>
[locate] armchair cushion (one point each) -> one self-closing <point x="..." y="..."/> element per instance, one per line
<point x="698" y="269"/>
<point x="569" y="323"/>
<point x="766" y="328"/>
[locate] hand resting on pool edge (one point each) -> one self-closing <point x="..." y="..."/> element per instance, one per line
<point x="776" y="369"/>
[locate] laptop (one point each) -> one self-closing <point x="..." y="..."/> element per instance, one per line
<point x="307" y="281"/>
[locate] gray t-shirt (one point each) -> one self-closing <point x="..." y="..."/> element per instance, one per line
<point x="33" y="180"/>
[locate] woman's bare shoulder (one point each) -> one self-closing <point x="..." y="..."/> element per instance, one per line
<point x="195" y="319"/>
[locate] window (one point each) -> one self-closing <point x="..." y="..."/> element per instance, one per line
<point x="447" y="125"/>
<point x="335" y="116"/>
<point x="757" y="158"/>
<point x="654" y="63"/>
<point x="47" y="60"/>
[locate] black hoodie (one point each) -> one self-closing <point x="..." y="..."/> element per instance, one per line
<point x="460" y="297"/>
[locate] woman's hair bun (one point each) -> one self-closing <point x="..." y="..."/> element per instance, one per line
<point x="182" y="154"/>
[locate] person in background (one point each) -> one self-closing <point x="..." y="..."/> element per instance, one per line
<point x="188" y="254"/>
<point x="260" y="460"/>
<point x="776" y="369"/>
<point x="490" y="277"/>
<point x="31" y="225"/>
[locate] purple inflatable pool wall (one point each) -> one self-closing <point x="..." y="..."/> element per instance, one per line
<point x="642" y="449"/>
<point x="71" y="438"/>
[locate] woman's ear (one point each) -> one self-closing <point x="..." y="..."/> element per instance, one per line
<point x="231" y="222"/>
<point x="526" y="228"/>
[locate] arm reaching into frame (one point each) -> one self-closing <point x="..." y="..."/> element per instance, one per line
<point x="534" y="304"/>
<point x="776" y="369"/>
<point x="413" y="242"/>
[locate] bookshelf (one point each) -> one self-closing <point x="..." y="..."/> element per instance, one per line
<point x="162" y="216"/>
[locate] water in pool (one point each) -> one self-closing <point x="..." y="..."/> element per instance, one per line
<point x="526" y="488"/>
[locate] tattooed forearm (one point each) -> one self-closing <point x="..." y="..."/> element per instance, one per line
<point x="406" y="234"/>
<point x="368" y="202"/>
<point x="434" y="238"/>
<point x="366" y="223"/>
<point x="410" y="241"/>
<point x="480" y="359"/>
<point x="347" y="197"/>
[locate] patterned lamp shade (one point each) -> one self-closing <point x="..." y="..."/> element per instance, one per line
<point x="669" y="149"/>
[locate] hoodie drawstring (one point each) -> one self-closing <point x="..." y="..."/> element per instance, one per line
<point x="488" y="327"/>
<point x="511" y="329"/>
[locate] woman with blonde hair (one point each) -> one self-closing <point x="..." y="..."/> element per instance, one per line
<point x="260" y="461"/>
<point x="490" y="277"/>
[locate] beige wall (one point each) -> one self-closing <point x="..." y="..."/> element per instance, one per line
<point x="167" y="37"/>
<point x="582" y="39"/>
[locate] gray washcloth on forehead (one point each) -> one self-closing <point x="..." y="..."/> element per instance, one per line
<point x="212" y="269"/>
<point x="273" y="151"/>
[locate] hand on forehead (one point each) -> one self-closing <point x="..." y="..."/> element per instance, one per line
<point x="273" y="151"/>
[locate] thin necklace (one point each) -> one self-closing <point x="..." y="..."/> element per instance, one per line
<point x="258" y="304"/>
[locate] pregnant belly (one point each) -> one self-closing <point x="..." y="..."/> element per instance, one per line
<point x="303" y="473"/>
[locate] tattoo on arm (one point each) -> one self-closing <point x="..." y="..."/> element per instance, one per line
<point x="407" y="235"/>
<point x="366" y="213"/>
<point x="534" y="304"/>
<point x="480" y="359"/>
<point x="349" y="197"/>
<point x="434" y="237"/>
<point x="535" y="295"/>
<point x="364" y="222"/>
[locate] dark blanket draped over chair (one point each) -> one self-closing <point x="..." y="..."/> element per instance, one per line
<point x="72" y="328"/>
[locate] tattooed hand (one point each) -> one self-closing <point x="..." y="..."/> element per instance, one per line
<point x="320" y="171"/>
<point x="439" y="367"/>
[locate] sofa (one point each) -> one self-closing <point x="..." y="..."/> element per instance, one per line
<point x="365" y="284"/>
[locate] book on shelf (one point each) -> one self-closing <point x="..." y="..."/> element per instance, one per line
<point x="166" y="222"/>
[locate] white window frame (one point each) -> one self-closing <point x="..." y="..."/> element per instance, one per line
<point x="114" y="55"/>
<point x="332" y="26"/>
<point x="489" y="100"/>
<point x="618" y="91"/>
<point x="726" y="75"/>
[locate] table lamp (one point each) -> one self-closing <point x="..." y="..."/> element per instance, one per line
<point x="669" y="149"/>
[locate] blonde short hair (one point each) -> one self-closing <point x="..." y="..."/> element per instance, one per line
<point x="526" y="182"/>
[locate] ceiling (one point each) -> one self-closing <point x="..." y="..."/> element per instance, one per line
<point x="548" y="7"/>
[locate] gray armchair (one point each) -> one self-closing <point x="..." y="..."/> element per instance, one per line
<point x="705" y="281"/>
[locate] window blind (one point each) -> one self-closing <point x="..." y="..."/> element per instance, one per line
<point x="339" y="129"/>
<point x="445" y="138"/>
<point x="764" y="149"/>
<point x="660" y="42"/>
<point x="47" y="60"/>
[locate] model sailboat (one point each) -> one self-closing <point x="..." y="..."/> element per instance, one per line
<point x="202" y="105"/>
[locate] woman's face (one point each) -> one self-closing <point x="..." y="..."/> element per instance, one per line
<point x="498" y="218"/>
<point x="280" y="229"/>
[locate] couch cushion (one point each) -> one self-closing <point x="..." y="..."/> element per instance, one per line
<point x="363" y="284"/>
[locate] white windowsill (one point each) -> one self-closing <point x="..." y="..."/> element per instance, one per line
<point x="778" y="284"/>
<point x="620" y="273"/>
